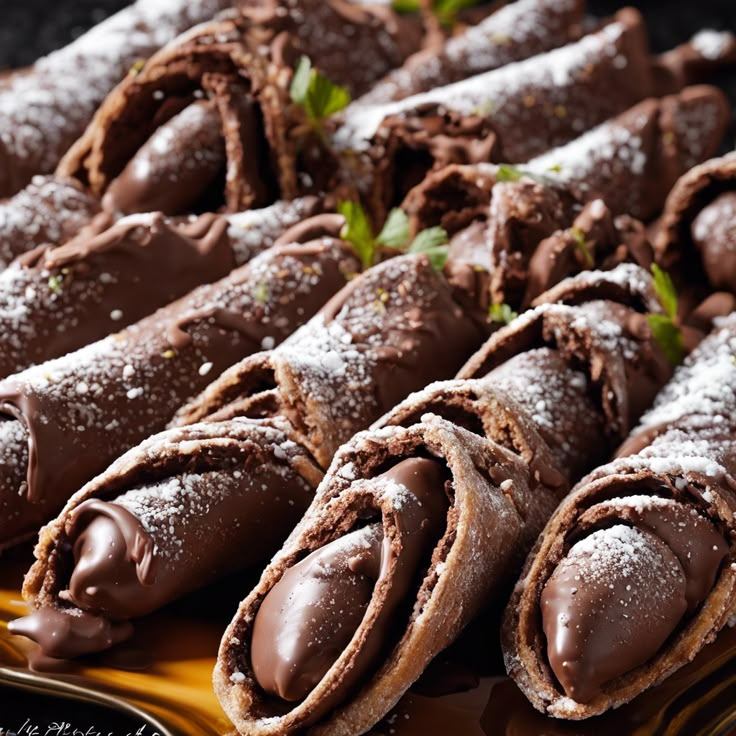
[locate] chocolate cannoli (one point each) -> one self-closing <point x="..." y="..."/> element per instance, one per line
<point x="630" y="162"/>
<point x="416" y="528"/>
<point x="388" y="333"/>
<point x="514" y="32"/>
<point x="65" y="420"/>
<point x="509" y="114"/>
<point x="636" y="571"/>
<point x="371" y="342"/>
<point x="49" y="211"/>
<point x="173" y="509"/>
<point x="55" y="300"/>
<point x="211" y="116"/>
<point x="47" y="106"/>
<point x="697" y="232"/>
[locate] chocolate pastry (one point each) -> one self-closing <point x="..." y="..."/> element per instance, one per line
<point x="630" y="162"/>
<point x="65" y="420"/>
<point x="387" y="333"/>
<point x="514" y="32"/>
<point x="656" y="141"/>
<point x="55" y="300"/>
<point x="636" y="570"/>
<point x="509" y="114"/>
<point x="48" y="211"/>
<point x="47" y="106"/>
<point x="211" y="113"/>
<point x="697" y="234"/>
<point x="531" y="236"/>
<point x="478" y="465"/>
<point x="162" y="521"/>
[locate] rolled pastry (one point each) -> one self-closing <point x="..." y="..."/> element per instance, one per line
<point x="631" y="161"/>
<point x="208" y="121"/>
<point x="175" y="508"/>
<point x="697" y="234"/>
<point x="388" y="333"/>
<point x="514" y="32"/>
<point x="65" y="420"/>
<point x="636" y="571"/>
<point x="49" y="211"/>
<point x="510" y="114"/>
<point x="415" y="528"/>
<point x="55" y="300"/>
<point x="47" y="107"/>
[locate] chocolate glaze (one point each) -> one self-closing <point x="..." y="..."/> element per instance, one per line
<point x="65" y="634"/>
<point x="174" y="168"/>
<point x="62" y="298"/>
<point x="321" y="600"/>
<point x="694" y="540"/>
<point x="609" y="606"/>
<point x="714" y="234"/>
<point x="214" y="326"/>
<point x="152" y="543"/>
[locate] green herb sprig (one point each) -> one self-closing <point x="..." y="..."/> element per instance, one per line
<point x="582" y="245"/>
<point x="501" y="314"/>
<point x="445" y="10"/>
<point x="395" y="235"/>
<point x="317" y="95"/>
<point x="665" y="330"/>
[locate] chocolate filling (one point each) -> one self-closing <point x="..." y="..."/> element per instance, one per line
<point x="311" y="616"/>
<point x="623" y="590"/>
<point x="174" y="168"/>
<point x="714" y="234"/>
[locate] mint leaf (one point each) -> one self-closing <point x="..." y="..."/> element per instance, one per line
<point x="395" y="232"/>
<point x="507" y="172"/>
<point x="319" y="96"/>
<point x="582" y="246"/>
<point x="668" y="336"/>
<point x="55" y="284"/>
<point x="300" y="82"/>
<point x="665" y="290"/>
<point x="445" y="10"/>
<point x="432" y="242"/>
<point x="358" y="232"/>
<point x="501" y="313"/>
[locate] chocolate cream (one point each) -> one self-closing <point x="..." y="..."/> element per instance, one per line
<point x="621" y="592"/>
<point x="311" y="616"/>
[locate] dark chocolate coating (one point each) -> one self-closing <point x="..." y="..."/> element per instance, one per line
<point x="312" y="613"/>
<point x="609" y="606"/>
<point x="714" y="234"/>
<point x="65" y="635"/>
<point x="319" y="603"/>
<point x="172" y="171"/>
<point x="132" y="382"/>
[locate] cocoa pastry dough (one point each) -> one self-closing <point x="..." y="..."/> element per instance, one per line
<point x="49" y="211"/>
<point x="55" y="300"/>
<point x="65" y="420"/>
<point x="697" y="233"/>
<point x="47" y="106"/>
<point x="656" y="525"/>
<point x="511" y="114"/>
<point x="388" y="333"/>
<point x="630" y="162"/>
<point x="161" y="521"/>
<point x="509" y="445"/>
<point x="211" y="113"/>
<point x="512" y="33"/>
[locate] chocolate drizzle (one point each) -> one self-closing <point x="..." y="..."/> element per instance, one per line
<point x="131" y="383"/>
